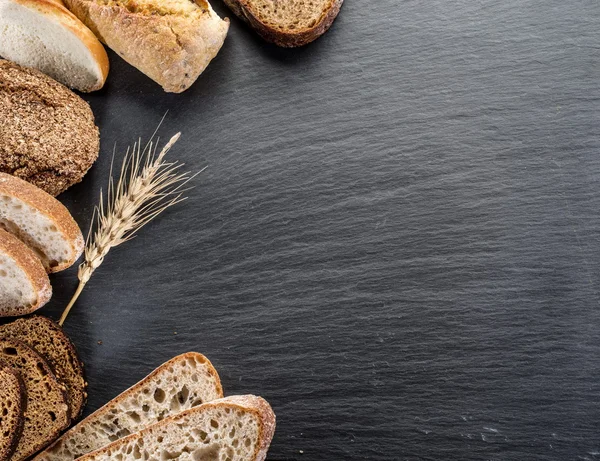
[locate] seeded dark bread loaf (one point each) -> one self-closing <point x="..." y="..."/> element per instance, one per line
<point x="12" y="408"/>
<point x="47" y="132"/>
<point x="238" y="428"/>
<point x="24" y="284"/>
<point x="41" y="222"/>
<point x="289" y="23"/>
<point x="50" y="341"/>
<point x="183" y="382"/>
<point x="47" y="413"/>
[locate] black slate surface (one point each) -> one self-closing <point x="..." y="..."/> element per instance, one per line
<point x="396" y="242"/>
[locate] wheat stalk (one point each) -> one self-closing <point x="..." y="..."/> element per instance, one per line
<point x="146" y="187"/>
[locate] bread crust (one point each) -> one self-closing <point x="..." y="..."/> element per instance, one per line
<point x="56" y="10"/>
<point x="50" y="207"/>
<point x="291" y="38"/>
<point x="31" y="265"/>
<point x="21" y="404"/>
<point x="172" y="50"/>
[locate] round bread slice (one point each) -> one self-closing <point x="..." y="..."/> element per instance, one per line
<point x="47" y="133"/>
<point x="51" y="342"/>
<point x="24" y="284"/>
<point x="47" y="412"/>
<point x="44" y="35"/>
<point x="12" y="408"/>
<point x="41" y="222"/>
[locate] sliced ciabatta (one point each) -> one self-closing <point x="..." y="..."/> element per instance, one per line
<point x="24" y="284"/>
<point x="47" y="413"/>
<point x="40" y="221"/>
<point x="44" y="35"/>
<point x="287" y="23"/>
<point x="238" y="428"/>
<point x="47" y="338"/>
<point x="181" y="383"/>
<point x="12" y="408"/>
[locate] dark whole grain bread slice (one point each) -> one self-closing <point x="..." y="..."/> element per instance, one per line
<point x="12" y="408"/>
<point x="47" y="413"/>
<point x="288" y="23"/>
<point x="51" y="342"/>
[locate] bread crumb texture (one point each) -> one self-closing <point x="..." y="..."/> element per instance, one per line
<point x="291" y="15"/>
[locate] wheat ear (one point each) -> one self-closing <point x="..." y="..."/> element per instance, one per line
<point x="147" y="186"/>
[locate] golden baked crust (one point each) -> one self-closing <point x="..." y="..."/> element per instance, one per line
<point x="47" y="134"/>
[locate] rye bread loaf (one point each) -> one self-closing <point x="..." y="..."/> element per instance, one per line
<point x="47" y="413"/>
<point x="51" y="342"/>
<point x="12" y="408"/>
<point x="238" y="428"/>
<point x="289" y="23"/>
<point x="47" y="134"/>
<point x="41" y="222"/>
<point x="24" y="284"/>
<point x="183" y="382"/>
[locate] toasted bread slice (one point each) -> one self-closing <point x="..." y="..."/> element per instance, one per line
<point x="183" y="382"/>
<point x="41" y="222"/>
<point x="24" y="284"/>
<point x="51" y="342"/>
<point x="238" y="428"/>
<point x="47" y="413"/>
<point x="12" y="409"/>
<point x="288" y="24"/>
<point x="44" y="35"/>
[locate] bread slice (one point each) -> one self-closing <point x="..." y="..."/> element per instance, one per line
<point x="51" y="342"/>
<point x="47" y="413"/>
<point x="41" y="222"/>
<point x="171" y="41"/>
<point x="183" y="382"/>
<point x="289" y="23"/>
<point x="12" y="408"/>
<point x="238" y="428"/>
<point x="44" y="35"/>
<point x="24" y="284"/>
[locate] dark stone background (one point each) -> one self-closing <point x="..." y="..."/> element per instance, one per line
<point x="396" y="241"/>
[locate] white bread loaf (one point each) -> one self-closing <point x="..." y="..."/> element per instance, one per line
<point x="44" y="35"/>
<point x="41" y="222"/>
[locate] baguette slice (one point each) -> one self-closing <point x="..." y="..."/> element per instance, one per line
<point x="183" y="382"/>
<point x="237" y="428"/>
<point x="289" y="23"/>
<point x="41" y="222"/>
<point x="171" y="41"/>
<point x="12" y="408"/>
<point x="44" y="35"/>
<point x="24" y="284"/>
<point x="47" y="413"/>
<point x="51" y="342"/>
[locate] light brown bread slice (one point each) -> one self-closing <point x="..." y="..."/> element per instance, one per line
<point x="24" y="284"/>
<point x="47" y="413"/>
<point x="238" y="428"/>
<point x="50" y="341"/>
<point x="40" y="221"/>
<point x="288" y="23"/>
<point x="171" y="41"/>
<point x="12" y="407"/>
<point x="183" y="382"/>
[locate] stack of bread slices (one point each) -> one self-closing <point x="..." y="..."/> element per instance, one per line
<point x="38" y="236"/>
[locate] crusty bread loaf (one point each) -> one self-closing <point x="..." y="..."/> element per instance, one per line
<point x="290" y="23"/>
<point x="47" y="413"/>
<point x="44" y="35"/>
<point x="238" y="428"/>
<point x="47" y="133"/>
<point x="171" y="41"/>
<point x="40" y="221"/>
<point x="50" y="341"/>
<point x="24" y="284"/>
<point x="12" y="408"/>
<point x="183" y="382"/>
